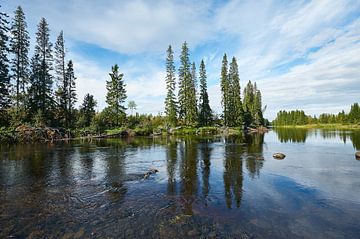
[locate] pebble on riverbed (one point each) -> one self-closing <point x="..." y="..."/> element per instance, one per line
<point x="279" y="155"/>
<point x="357" y="155"/>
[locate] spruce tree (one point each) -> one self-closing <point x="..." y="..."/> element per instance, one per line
<point x="248" y="104"/>
<point x="225" y="91"/>
<point x="192" y="107"/>
<point x="205" y="113"/>
<point x="4" y="68"/>
<point x="19" y="46"/>
<point x="116" y="95"/>
<point x="236" y="108"/>
<point x="187" y="92"/>
<point x="40" y="92"/>
<point x="70" y="94"/>
<point x="170" y="100"/>
<point x="257" y="109"/>
<point x="87" y="111"/>
<point x="62" y="81"/>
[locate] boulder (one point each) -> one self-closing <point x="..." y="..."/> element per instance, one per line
<point x="357" y="155"/>
<point x="279" y="155"/>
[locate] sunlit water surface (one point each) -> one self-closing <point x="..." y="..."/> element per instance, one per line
<point x="206" y="187"/>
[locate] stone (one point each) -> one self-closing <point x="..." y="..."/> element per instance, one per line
<point x="279" y="155"/>
<point x="357" y="155"/>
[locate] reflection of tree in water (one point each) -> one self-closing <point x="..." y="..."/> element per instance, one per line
<point x="115" y="172"/>
<point x="355" y="139"/>
<point x="205" y="152"/>
<point x="188" y="172"/>
<point x="171" y="160"/>
<point x="233" y="173"/>
<point x="291" y="135"/>
<point x="254" y="149"/>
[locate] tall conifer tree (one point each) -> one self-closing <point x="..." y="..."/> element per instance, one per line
<point x="170" y="100"/>
<point x="225" y="90"/>
<point x="187" y="95"/>
<point x="4" y="67"/>
<point x="236" y="108"/>
<point x="19" y="46"/>
<point x="116" y="95"/>
<point x="40" y="92"/>
<point x="205" y="113"/>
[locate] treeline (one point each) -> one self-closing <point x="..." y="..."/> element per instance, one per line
<point x="188" y="109"/>
<point x="298" y="117"/>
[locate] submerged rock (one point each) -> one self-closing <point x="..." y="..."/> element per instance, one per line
<point x="151" y="171"/>
<point x="279" y="155"/>
<point x="357" y="155"/>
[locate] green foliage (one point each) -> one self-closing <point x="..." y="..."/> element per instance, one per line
<point x="298" y="117"/>
<point x="4" y="68"/>
<point x="170" y="100"/>
<point x="40" y="91"/>
<point x="87" y="111"/>
<point x="19" y="47"/>
<point x="253" y="112"/>
<point x="115" y="97"/>
<point x="205" y="112"/>
<point x="225" y="90"/>
<point x="187" y="90"/>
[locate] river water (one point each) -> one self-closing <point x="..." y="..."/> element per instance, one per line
<point x="206" y="187"/>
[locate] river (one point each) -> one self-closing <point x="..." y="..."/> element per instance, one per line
<point x="209" y="187"/>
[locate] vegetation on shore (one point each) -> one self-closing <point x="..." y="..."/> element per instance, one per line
<point x="298" y="119"/>
<point x="38" y="94"/>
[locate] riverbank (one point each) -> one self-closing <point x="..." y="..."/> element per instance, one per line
<point x="322" y="126"/>
<point x="32" y="134"/>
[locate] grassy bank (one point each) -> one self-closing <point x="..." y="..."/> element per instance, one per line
<point x="323" y="126"/>
<point x="30" y="134"/>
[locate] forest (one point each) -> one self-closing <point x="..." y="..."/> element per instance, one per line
<point x="299" y="118"/>
<point x="40" y="90"/>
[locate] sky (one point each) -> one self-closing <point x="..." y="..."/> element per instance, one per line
<point x="302" y="54"/>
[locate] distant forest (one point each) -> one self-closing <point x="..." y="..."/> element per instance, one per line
<point x="298" y="117"/>
<point x="41" y="90"/>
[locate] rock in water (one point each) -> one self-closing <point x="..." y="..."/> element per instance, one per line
<point x="357" y="155"/>
<point x="151" y="171"/>
<point x="279" y="155"/>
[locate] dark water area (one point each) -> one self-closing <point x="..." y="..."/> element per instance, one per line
<point x="206" y="187"/>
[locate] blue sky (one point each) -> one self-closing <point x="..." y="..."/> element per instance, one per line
<point x="302" y="54"/>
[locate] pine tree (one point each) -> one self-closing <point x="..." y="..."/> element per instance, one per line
<point x="170" y="100"/>
<point x="4" y="67"/>
<point x="19" y="46"/>
<point x="236" y="109"/>
<point x="87" y="111"/>
<point x="205" y="113"/>
<point x="187" y="95"/>
<point x="40" y="91"/>
<point x="225" y="91"/>
<point x="116" y="95"/>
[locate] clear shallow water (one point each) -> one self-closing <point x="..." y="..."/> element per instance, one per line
<point x="205" y="187"/>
